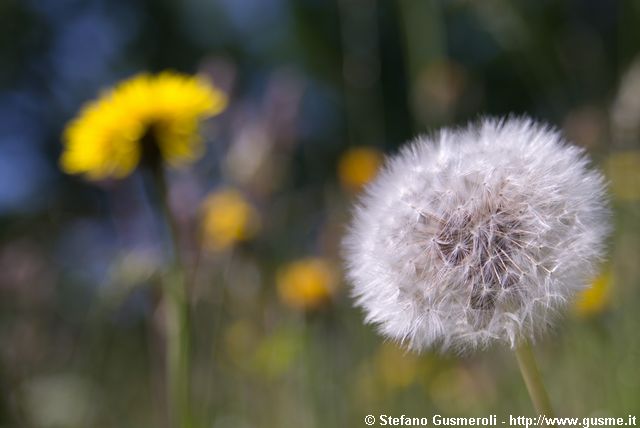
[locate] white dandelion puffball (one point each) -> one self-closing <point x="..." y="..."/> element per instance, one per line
<point x="476" y="235"/>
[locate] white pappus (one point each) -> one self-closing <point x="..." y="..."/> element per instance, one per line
<point x="476" y="235"/>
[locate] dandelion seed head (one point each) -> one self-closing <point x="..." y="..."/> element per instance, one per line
<point x="476" y="235"/>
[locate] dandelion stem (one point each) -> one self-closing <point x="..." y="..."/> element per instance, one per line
<point x="176" y="319"/>
<point x="532" y="379"/>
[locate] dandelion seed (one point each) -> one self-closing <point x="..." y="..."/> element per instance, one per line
<point x="146" y="116"/>
<point x="476" y="235"/>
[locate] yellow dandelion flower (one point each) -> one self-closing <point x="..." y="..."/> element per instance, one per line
<point x="111" y="135"/>
<point x="358" y="166"/>
<point x="596" y="298"/>
<point x="227" y="218"/>
<point x="306" y="284"/>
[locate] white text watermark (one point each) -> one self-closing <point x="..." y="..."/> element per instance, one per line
<point x="493" y="420"/>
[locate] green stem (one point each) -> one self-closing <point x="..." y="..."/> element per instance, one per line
<point x="177" y="321"/>
<point x="533" y="380"/>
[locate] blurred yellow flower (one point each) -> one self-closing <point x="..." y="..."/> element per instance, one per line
<point x="306" y="284"/>
<point x="111" y="135"/>
<point x="596" y="298"/>
<point x="623" y="169"/>
<point x="227" y="218"/>
<point x="358" y="166"/>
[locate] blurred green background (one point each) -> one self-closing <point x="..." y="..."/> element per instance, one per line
<point x="317" y="90"/>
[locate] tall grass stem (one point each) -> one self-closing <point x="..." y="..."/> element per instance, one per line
<point x="178" y="343"/>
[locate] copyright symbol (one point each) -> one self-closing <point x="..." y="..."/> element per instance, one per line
<point x="369" y="420"/>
